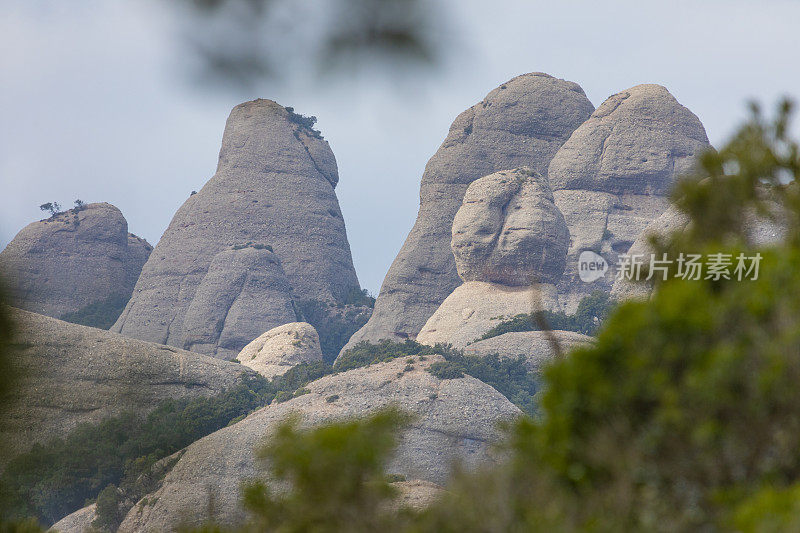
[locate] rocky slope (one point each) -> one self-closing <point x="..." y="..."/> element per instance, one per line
<point x="279" y="349"/>
<point x="72" y="374"/>
<point x="273" y="189"/>
<point x="521" y="123"/>
<point x="613" y="175"/>
<point x="74" y="259"/>
<point x="456" y="419"/>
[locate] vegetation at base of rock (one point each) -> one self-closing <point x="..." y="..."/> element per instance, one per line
<point x="334" y="324"/>
<point x="509" y="376"/>
<point x="366" y="353"/>
<point x="359" y="297"/>
<point x="588" y="318"/>
<point x="58" y="477"/>
<point x="100" y="314"/>
<point x="109" y="512"/>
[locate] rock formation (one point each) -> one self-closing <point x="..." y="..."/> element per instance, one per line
<point x="613" y="175"/>
<point x="456" y="418"/>
<point x="476" y="307"/>
<point x="281" y="348"/>
<point x="510" y="244"/>
<point x="72" y="374"/>
<point x="244" y="293"/>
<point x="78" y="522"/>
<point x="521" y="123"/>
<point x="74" y="259"/>
<point x="509" y="231"/>
<point x="534" y="346"/>
<point x="274" y="189"/>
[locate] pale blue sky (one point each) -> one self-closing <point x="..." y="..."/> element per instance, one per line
<point x="95" y="104"/>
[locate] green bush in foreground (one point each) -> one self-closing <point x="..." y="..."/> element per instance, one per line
<point x="336" y="473"/>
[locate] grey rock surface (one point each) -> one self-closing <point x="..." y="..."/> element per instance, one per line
<point x="455" y="419"/>
<point x="509" y="231"/>
<point x="477" y="306"/>
<point x="521" y="123"/>
<point x="76" y="258"/>
<point x="534" y="346"/>
<point x="274" y="186"/>
<point x="72" y="374"/>
<point x="613" y="175"/>
<point x="244" y="293"/>
<point x="279" y="349"/>
<point x="78" y="522"/>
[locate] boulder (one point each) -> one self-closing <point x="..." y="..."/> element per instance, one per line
<point x="72" y="374"/>
<point x="521" y="123"/>
<point x="534" y="346"/>
<point x="74" y="259"/>
<point x="281" y="348"/>
<point x="455" y="420"/>
<point x="244" y="293"/>
<point x="273" y="189"/>
<point x="509" y="231"/>
<point x="78" y="522"/>
<point x="477" y="306"/>
<point x="613" y="175"/>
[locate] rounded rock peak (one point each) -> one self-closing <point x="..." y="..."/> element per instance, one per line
<point x="534" y="104"/>
<point x="509" y="231"/>
<point x="637" y="141"/>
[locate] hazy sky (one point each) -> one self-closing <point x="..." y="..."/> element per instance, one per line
<point x="95" y="103"/>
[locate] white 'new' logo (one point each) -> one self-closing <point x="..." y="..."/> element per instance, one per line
<point x="591" y="266"/>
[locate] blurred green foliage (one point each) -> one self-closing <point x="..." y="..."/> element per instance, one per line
<point x="336" y="473"/>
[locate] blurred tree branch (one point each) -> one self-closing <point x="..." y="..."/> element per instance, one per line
<point x="242" y="42"/>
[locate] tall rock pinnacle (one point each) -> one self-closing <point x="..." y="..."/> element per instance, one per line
<point x="273" y="191"/>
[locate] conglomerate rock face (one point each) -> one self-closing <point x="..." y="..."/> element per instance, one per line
<point x="72" y="374"/>
<point x="65" y="263"/>
<point x="273" y="190"/>
<point x="455" y="419"/>
<point x="521" y="123"/>
<point x="509" y="231"/>
<point x="612" y="177"/>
